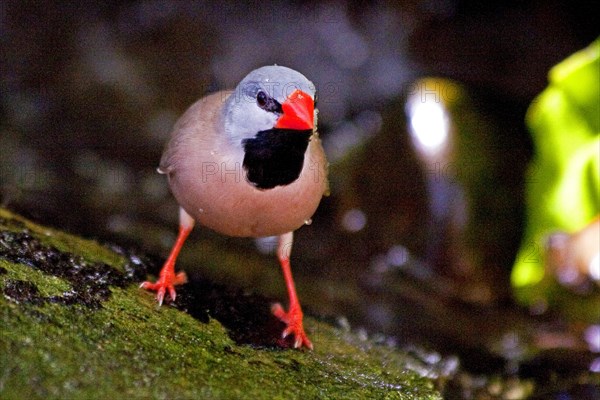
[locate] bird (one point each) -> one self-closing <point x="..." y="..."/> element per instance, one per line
<point x="248" y="163"/>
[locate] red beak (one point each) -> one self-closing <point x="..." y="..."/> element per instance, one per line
<point x="298" y="112"/>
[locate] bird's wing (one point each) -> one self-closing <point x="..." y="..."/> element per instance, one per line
<point x="197" y="129"/>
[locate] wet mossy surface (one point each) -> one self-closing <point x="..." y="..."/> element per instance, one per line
<point x="76" y="325"/>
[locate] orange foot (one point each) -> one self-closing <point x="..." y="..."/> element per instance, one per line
<point x="293" y="320"/>
<point x="167" y="280"/>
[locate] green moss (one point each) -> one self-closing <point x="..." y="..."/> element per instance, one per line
<point x="88" y="249"/>
<point x="48" y="285"/>
<point x="130" y="348"/>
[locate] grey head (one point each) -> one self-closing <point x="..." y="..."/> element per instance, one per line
<point x="247" y="111"/>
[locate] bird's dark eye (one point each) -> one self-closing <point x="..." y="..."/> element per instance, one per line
<point x="268" y="103"/>
<point x="261" y="99"/>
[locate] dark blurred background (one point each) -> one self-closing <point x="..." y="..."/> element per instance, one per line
<point x="89" y="92"/>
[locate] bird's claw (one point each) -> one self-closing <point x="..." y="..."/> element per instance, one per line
<point x="165" y="283"/>
<point x="293" y="320"/>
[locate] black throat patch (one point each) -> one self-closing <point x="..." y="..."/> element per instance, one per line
<point x="275" y="157"/>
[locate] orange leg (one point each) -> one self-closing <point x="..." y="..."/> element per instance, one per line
<point x="293" y="317"/>
<point x="167" y="279"/>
